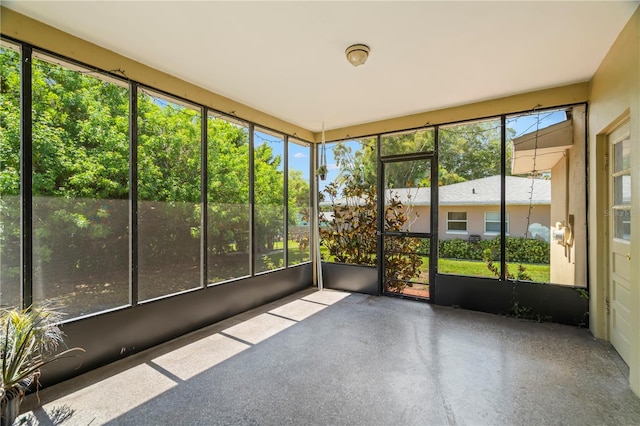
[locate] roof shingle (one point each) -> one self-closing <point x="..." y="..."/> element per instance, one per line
<point x="483" y="191"/>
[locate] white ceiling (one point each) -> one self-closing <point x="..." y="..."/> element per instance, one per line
<point x="287" y="58"/>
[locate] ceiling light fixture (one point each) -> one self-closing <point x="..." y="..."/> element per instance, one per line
<point x="357" y="54"/>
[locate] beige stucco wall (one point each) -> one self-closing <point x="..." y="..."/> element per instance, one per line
<point x="475" y="220"/>
<point x="568" y="263"/>
<point x="614" y="96"/>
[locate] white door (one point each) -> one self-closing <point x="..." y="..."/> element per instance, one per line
<point x="619" y="214"/>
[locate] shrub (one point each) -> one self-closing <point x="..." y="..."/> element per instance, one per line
<point x="518" y="249"/>
<point x="350" y="235"/>
<point x="527" y="250"/>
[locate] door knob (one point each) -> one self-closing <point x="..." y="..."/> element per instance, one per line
<point x="628" y="256"/>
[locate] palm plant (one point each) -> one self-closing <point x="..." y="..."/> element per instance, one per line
<point x="29" y="340"/>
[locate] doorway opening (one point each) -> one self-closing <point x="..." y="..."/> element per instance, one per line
<point x="407" y="237"/>
<point x="618" y="214"/>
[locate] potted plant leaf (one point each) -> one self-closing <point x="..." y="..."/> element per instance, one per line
<point x="322" y="169"/>
<point x="29" y="340"/>
<point x="322" y="172"/>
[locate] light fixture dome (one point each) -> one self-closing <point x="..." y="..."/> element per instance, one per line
<point x="357" y="54"/>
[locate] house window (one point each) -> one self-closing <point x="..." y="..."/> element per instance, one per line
<point x="457" y="222"/>
<point x="492" y="223"/>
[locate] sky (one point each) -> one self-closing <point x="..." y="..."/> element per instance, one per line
<point x="521" y="124"/>
<point x="298" y="155"/>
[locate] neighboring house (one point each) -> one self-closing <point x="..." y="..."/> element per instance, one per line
<point x="472" y="208"/>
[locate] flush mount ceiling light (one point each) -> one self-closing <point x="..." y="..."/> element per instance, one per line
<point x="357" y="54"/>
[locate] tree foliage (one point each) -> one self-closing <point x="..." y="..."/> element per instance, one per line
<point x="348" y="231"/>
<point x="401" y="259"/>
<point x="407" y="174"/>
<point x="465" y="152"/>
<point x="348" y="228"/>
<point x="81" y="173"/>
<point x="518" y="249"/>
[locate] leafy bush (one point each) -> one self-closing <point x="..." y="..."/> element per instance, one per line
<point x="349" y="233"/>
<point x="459" y="249"/>
<point x="518" y="249"/>
<point x="527" y="250"/>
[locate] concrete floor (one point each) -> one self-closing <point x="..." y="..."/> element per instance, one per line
<point x="332" y="358"/>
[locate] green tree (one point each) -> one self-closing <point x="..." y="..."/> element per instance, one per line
<point x="269" y="197"/>
<point x="81" y="173"/>
<point x="80" y="140"/>
<point x="407" y="174"/>
<point x="348" y="232"/>
<point x="168" y="151"/>
<point x="228" y="187"/>
<point x="470" y="150"/>
<point x="299" y="193"/>
<point x="9" y="123"/>
<point x="9" y="177"/>
<point x="465" y="151"/>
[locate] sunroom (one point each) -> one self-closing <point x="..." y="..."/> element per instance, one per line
<point x="161" y="164"/>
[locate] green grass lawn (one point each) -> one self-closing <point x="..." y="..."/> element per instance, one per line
<point x="538" y="273"/>
<point x="294" y="255"/>
<point x="472" y="268"/>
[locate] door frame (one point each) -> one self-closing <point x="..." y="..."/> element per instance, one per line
<point x="432" y="157"/>
<point x="622" y="127"/>
<point x="599" y="272"/>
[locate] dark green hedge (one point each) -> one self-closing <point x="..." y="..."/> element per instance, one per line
<point x="519" y="249"/>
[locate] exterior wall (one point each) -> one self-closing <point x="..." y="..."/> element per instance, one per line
<point x="614" y="96"/>
<point x="518" y="218"/>
<point x="568" y="263"/>
<point x="420" y="219"/>
<point x="475" y="220"/>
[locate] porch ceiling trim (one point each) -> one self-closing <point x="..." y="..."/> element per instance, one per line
<point x="541" y="150"/>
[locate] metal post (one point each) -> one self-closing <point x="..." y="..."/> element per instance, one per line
<point x="252" y="245"/>
<point x="315" y="214"/>
<point x="285" y="182"/>
<point x="133" y="193"/>
<point x="204" y="205"/>
<point x="435" y="212"/>
<point x="26" y="171"/>
<point x="380" y="222"/>
<point x="503" y="202"/>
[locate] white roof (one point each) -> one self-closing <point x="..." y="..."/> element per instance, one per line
<point x="478" y="192"/>
<point x="481" y="192"/>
